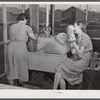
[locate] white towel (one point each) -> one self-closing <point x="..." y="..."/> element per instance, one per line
<point x="62" y="37"/>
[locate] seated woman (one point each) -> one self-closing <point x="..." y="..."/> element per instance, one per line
<point x="72" y="70"/>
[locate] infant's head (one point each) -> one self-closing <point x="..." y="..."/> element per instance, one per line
<point x="70" y="29"/>
<point x="70" y="32"/>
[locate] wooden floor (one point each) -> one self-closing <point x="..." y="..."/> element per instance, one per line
<point x="38" y="81"/>
<point x="5" y="86"/>
<point x="41" y="80"/>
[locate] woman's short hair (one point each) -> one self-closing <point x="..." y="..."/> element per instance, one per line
<point x="22" y="16"/>
<point x="80" y="22"/>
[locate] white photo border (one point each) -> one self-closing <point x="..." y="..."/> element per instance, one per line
<point x="68" y="94"/>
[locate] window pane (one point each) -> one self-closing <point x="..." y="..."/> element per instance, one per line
<point x="68" y="14"/>
<point x="1" y="24"/>
<point x="1" y="59"/>
<point x="42" y="19"/>
<point x="1" y="31"/>
<point x="13" y="10"/>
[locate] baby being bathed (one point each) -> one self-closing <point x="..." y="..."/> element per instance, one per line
<point x="60" y="44"/>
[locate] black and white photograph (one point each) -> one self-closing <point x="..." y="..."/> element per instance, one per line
<point x="50" y="46"/>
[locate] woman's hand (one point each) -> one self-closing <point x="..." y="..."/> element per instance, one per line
<point x="72" y="38"/>
<point x="71" y="44"/>
<point x="80" y="50"/>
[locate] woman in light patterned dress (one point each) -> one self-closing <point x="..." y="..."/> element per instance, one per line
<point x="17" y="53"/>
<point x="72" y="70"/>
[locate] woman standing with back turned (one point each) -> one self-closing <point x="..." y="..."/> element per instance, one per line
<point x="17" y="53"/>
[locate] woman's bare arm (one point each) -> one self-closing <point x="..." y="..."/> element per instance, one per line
<point x="79" y="51"/>
<point x="32" y="36"/>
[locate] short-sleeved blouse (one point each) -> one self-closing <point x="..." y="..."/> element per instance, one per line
<point x="20" y="31"/>
<point x="85" y="42"/>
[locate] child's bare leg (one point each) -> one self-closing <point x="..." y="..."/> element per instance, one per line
<point x="62" y="84"/>
<point x="56" y="80"/>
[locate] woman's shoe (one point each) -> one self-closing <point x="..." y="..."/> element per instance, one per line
<point x="21" y="83"/>
<point x="11" y="82"/>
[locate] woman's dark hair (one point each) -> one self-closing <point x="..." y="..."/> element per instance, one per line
<point x="22" y="16"/>
<point x="80" y="22"/>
